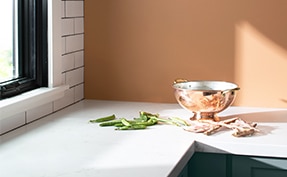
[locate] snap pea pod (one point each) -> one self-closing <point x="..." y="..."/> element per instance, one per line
<point x="103" y="119"/>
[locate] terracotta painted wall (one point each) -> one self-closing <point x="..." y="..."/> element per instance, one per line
<point x="134" y="49"/>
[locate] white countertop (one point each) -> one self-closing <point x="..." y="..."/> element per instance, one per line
<point x="65" y="144"/>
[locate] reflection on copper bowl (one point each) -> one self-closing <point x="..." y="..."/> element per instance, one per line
<point x="204" y="98"/>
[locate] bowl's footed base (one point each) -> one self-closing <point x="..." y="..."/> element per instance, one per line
<point x="205" y="116"/>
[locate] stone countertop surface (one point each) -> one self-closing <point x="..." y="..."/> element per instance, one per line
<point x="65" y="144"/>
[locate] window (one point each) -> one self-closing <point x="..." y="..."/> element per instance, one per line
<point x="24" y="54"/>
<point x="56" y="89"/>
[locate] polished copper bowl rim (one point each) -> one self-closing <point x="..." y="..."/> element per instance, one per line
<point x="178" y="82"/>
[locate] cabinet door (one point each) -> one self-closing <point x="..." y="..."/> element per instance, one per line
<point x="243" y="166"/>
<point x="184" y="172"/>
<point x="207" y="165"/>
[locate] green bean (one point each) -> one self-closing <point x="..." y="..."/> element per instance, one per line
<point x="110" y="123"/>
<point x="132" y="127"/>
<point x="144" y="120"/>
<point x="136" y="127"/>
<point x="123" y="128"/>
<point x="149" y="115"/>
<point x="144" y="117"/>
<point x="139" y="119"/>
<point x="179" y="121"/>
<point x="148" y="123"/>
<point x="153" y="120"/>
<point x="119" y="124"/>
<point x="132" y="123"/>
<point x="103" y="119"/>
<point x="125" y="122"/>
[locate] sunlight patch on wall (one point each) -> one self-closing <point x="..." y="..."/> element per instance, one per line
<point x="260" y="68"/>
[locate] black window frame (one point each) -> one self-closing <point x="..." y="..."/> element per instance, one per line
<point x="32" y="49"/>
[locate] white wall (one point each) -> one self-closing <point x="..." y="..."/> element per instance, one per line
<point x="72" y="67"/>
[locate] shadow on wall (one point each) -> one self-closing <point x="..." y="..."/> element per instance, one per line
<point x="135" y="49"/>
<point x="261" y="54"/>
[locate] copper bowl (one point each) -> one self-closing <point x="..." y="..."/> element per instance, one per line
<point x="204" y="98"/>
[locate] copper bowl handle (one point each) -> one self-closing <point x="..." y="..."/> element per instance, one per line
<point x="179" y="80"/>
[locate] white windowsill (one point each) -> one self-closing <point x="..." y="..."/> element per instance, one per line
<point x="29" y="100"/>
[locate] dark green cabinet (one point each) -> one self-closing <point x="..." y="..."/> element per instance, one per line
<point x="184" y="172"/>
<point x="227" y="165"/>
<point x="258" y="167"/>
<point x="207" y="164"/>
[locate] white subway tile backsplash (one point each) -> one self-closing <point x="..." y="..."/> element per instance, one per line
<point x="79" y="25"/>
<point x="67" y="100"/>
<point x="68" y="26"/>
<point x="75" y="77"/>
<point x="39" y="112"/>
<point x="63" y="8"/>
<point x="64" y="78"/>
<point x="79" y="92"/>
<point x="68" y="62"/>
<point x="74" y="9"/>
<point x="74" y="43"/>
<point x="79" y="59"/>
<point x="63" y="45"/>
<point x="12" y="122"/>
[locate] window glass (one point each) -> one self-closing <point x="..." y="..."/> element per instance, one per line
<point x="6" y="40"/>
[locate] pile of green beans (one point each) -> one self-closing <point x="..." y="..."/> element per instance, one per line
<point x="144" y="120"/>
